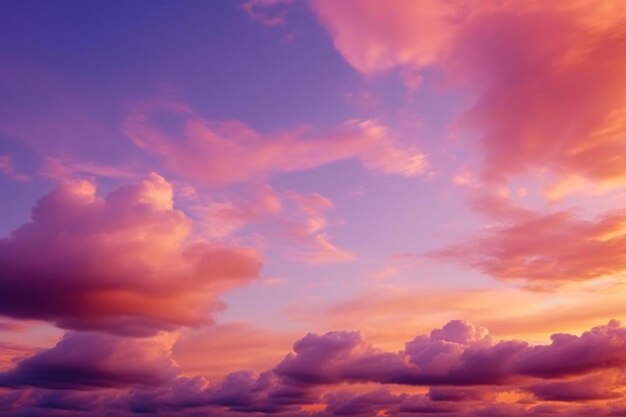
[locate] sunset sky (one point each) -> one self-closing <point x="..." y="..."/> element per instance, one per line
<point x="324" y="208"/>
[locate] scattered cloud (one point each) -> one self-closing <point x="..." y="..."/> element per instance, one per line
<point x="212" y="152"/>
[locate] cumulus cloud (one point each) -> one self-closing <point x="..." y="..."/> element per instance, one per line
<point x="123" y="263"/>
<point x="93" y="360"/>
<point x="212" y="152"/>
<point x="458" y="354"/>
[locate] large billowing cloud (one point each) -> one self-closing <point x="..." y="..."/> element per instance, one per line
<point x="124" y="263"/>
<point x="226" y="152"/>
<point x="464" y="366"/>
<point x="547" y="76"/>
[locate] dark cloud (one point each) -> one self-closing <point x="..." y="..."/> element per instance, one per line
<point x="92" y="360"/>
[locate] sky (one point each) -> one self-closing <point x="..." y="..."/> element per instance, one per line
<point x="313" y="208"/>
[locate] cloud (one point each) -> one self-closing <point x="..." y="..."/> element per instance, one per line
<point x="293" y="223"/>
<point x="468" y="373"/>
<point x="345" y="403"/>
<point x="212" y="152"/>
<point x="544" y="249"/>
<point x="10" y="353"/>
<point x="316" y="358"/>
<point x="457" y="354"/>
<point x="375" y="37"/>
<point x="94" y="360"/>
<point x="240" y="393"/>
<point x="123" y="263"/>
<point x="598" y="348"/>
<point x="533" y="68"/>
<point x="267" y="12"/>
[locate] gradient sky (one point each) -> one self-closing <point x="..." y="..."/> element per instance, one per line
<point x="312" y="208"/>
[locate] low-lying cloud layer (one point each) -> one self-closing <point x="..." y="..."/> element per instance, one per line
<point x="467" y="371"/>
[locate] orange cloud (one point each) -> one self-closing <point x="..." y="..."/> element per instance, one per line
<point x="547" y="249"/>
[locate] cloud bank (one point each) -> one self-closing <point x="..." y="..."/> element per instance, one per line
<point x="467" y="372"/>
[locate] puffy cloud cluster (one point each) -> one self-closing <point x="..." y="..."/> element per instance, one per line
<point x="214" y="152"/>
<point x="458" y="354"/>
<point x="124" y="263"/>
<point x="465" y="368"/>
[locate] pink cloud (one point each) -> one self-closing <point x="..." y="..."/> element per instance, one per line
<point x="296" y="224"/>
<point x="224" y="218"/>
<point x="10" y="353"/>
<point x="546" y="77"/>
<point x="123" y="263"/>
<point x="213" y="152"/>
